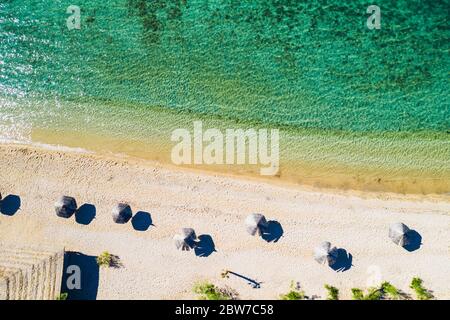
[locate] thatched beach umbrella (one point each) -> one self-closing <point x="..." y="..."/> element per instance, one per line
<point x="324" y="253"/>
<point x="186" y="240"/>
<point x="256" y="223"/>
<point x="398" y="232"/>
<point x="65" y="207"/>
<point x="122" y="213"/>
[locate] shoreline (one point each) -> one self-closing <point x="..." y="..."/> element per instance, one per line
<point x="216" y="205"/>
<point x="339" y="163"/>
<point x="397" y="162"/>
<point x="269" y="181"/>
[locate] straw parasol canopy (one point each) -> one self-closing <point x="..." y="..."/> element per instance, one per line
<point x="398" y="232"/>
<point x="122" y="213"/>
<point x="256" y="223"/>
<point x="186" y="240"/>
<point x="324" y="253"/>
<point x="65" y="207"/>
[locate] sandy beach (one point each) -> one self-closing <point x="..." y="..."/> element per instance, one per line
<point x="217" y="205"/>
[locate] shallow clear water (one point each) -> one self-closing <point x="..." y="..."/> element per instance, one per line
<point x="346" y="97"/>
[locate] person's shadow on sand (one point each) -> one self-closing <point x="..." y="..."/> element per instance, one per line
<point x="343" y="261"/>
<point x="274" y="231"/>
<point x="205" y="246"/>
<point x="252" y="282"/>
<point x="10" y="205"/>
<point x="89" y="276"/>
<point x="141" y="221"/>
<point x="85" y="214"/>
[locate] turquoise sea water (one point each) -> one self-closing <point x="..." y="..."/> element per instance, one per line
<point x="312" y="68"/>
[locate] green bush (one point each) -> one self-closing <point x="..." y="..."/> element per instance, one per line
<point x="372" y="294"/>
<point x="62" y="296"/>
<point x="332" y="292"/>
<point x="294" y="294"/>
<point x="390" y="291"/>
<point x="384" y="291"/>
<point x="104" y="260"/>
<point x="421" y="292"/>
<point x="357" y="294"/>
<point x="208" y="291"/>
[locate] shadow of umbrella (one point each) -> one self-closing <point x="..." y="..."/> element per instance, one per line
<point x="10" y="205"/>
<point x="85" y="214"/>
<point x="415" y="241"/>
<point x="205" y="246"/>
<point x="141" y="221"/>
<point x="343" y="261"/>
<point x="274" y="231"/>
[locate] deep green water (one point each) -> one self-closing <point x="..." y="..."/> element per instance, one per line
<point x="298" y="65"/>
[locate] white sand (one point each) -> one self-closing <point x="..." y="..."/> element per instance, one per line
<point x="217" y="205"/>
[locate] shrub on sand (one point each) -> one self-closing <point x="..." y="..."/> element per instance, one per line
<point x="372" y="294"/>
<point x="208" y="291"/>
<point x="294" y="294"/>
<point x="390" y="291"/>
<point x="385" y="291"/>
<point x="421" y="292"/>
<point x="104" y="260"/>
<point x="357" y="294"/>
<point x="62" y="296"/>
<point x="332" y="292"/>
